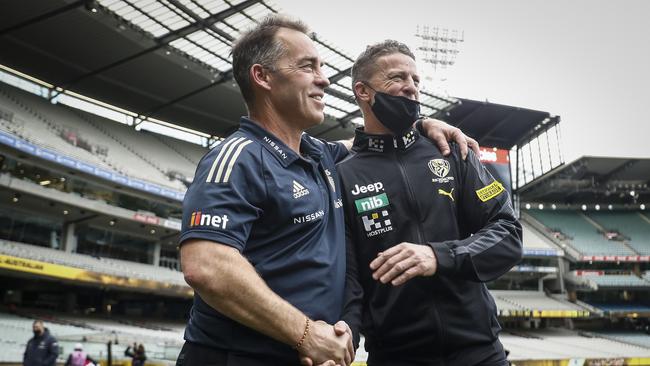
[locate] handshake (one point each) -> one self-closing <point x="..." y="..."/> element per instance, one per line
<point x="323" y="344"/>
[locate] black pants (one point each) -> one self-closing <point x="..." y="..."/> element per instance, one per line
<point x="193" y="354"/>
<point x="495" y="356"/>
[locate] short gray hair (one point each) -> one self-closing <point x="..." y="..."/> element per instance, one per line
<point x="365" y="65"/>
<point x="259" y="46"/>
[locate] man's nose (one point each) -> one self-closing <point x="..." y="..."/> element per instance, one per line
<point x="321" y="79"/>
<point x="410" y="89"/>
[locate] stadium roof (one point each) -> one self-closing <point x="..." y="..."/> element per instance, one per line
<point x="163" y="59"/>
<point x="593" y="180"/>
<point x="497" y="125"/>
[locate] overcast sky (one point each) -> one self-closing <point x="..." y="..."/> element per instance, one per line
<point x="587" y="61"/>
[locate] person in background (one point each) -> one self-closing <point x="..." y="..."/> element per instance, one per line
<point x="138" y="355"/>
<point x="78" y="357"/>
<point x="42" y="349"/>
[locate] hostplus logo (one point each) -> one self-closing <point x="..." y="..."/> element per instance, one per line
<point x="200" y="219"/>
<point x="376" y="144"/>
<point x="299" y="190"/>
<point x="377" y="223"/>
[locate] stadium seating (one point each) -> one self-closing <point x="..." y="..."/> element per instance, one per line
<point x="580" y="233"/>
<point x="558" y="344"/>
<point x="634" y="338"/>
<point x="25" y="124"/>
<point x="114" y="267"/>
<point x="92" y="332"/>
<point x="535" y="243"/>
<point x="18" y="330"/>
<point x="111" y="145"/>
<point x="509" y="301"/>
<point x="605" y="280"/>
<point x="630" y="224"/>
<point x="621" y="307"/>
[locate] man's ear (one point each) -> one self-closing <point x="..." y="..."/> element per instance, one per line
<point x="260" y="76"/>
<point x="362" y="91"/>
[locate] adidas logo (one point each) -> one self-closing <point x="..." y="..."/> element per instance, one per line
<point x="299" y="190"/>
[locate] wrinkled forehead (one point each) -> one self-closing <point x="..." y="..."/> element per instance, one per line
<point x="297" y="45"/>
<point x="395" y="62"/>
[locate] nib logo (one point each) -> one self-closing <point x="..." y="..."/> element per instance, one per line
<point x="200" y="219"/>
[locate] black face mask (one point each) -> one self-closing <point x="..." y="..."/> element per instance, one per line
<point x="396" y="113"/>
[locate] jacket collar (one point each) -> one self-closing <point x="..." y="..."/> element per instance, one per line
<point x="276" y="147"/>
<point x="383" y="143"/>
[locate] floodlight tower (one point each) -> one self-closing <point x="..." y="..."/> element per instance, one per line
<point x="439" y="46"/>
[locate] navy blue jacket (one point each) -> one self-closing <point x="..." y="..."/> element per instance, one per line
<point x="41" y="351"/>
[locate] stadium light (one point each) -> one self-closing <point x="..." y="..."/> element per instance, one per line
<point x="610" y="207"/>
<point x="541" y="206"/>
<point x="642" y="206"/>
<point x="528" y="206"/>
<point x="439" y="46"/>
<point x="584" y="207"/>
<point x="597" y="207"/>
<point x="553" y="206"/>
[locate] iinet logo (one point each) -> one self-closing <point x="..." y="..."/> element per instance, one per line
<point x="201" y="219"/>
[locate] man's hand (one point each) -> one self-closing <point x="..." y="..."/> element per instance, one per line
<point x="340" y="328"/>
<point x="327" y="345"/>
<point x="441" y="133"/>
<point x="403" y="262"/>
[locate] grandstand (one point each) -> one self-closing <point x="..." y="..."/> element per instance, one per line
<point x="160" y="342"/>
<point x="578" y="231"/>
<point x="93" y="172"/>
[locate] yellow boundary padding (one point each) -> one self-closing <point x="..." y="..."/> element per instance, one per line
<point x="77" y="274"/>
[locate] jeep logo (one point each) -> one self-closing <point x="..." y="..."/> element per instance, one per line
<point x="372" y="187"/>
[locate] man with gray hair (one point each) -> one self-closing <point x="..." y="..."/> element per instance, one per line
<point x="262" y="242"/>
<point x="424" y="231"/>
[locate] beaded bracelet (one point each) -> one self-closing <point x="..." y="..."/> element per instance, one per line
<point x="304" y="335"/>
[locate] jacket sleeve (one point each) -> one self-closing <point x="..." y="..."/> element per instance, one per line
<point x="68" y="362"/>
<point x="493" y="246"/>
<point x="353" y="300"/>
<point x="25" y="353"/>
<point x="53" y="352"/>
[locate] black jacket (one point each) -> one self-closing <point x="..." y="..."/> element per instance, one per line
<point x="41" y="351"/>
<point x="138" y="358"/>
<point x="403" y="190"/>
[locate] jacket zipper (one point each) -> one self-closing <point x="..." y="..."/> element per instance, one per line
<point x="412" y="202"/>
<point x="420" y="238"/>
